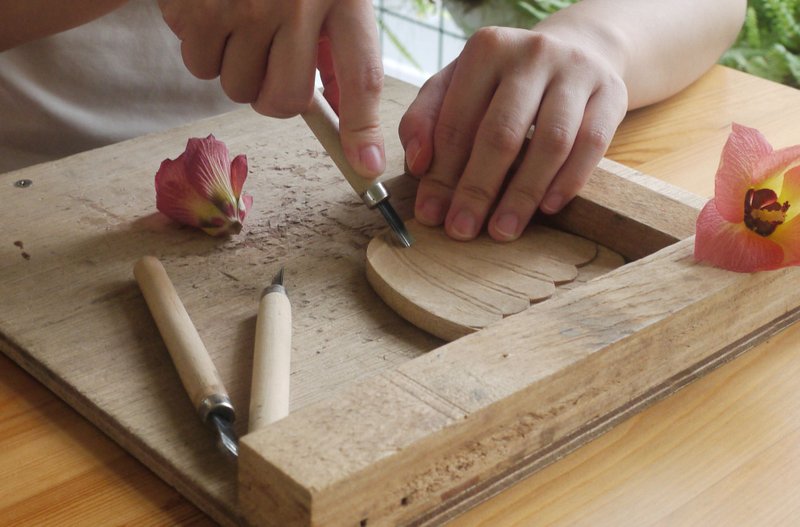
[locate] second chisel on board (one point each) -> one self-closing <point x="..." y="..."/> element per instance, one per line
<point x="269" y="399"/>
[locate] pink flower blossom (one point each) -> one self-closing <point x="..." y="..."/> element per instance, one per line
<point x="752" y="223"/>
<point x="203" y="188"/>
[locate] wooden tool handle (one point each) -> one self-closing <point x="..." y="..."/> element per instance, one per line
<point x="324" y="123"/>
<point x="198" y="374"/>
<point x="269" y="398"/>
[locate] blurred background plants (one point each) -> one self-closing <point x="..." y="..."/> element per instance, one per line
<point x="769" y="42"/>
<point x="768" y="45"/>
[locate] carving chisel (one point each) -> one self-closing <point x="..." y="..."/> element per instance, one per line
<point x="269" y="399"/>
<point x="200" y="378"/>
<point x="324" y="123"/>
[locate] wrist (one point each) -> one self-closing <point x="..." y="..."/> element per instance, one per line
<point x="606" y="41"/>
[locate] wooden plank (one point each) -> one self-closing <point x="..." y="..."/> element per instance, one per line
<point x="451" y="288"/>
<point x="612" y="210"/>
<point x="711" y="447"/>
<point x="55" y="464"/>
<point x="73" y="316"/>
<point x="613" y="344"/>
<point x="90" y="341"/>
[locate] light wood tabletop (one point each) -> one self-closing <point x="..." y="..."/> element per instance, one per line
<point x="725" y="450"/>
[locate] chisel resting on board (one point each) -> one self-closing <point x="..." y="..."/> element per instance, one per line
<point x="198" y="374"/>
<point x="269" y="392"/>
<point x="324" y="123"/>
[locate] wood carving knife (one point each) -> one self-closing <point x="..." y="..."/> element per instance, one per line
<point x="198" y="374"/>
<point x="269" y="399"/>
<point x="324" y="123"/>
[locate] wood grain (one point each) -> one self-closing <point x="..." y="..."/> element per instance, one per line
<point x="94" y="342"/>
<point x="197" y="372"/>
<point x="723" y="451"/>
<point x="451" y="289"/>
<point x="272" y="360"/>
<point x="57" y="469"/>
<point x="485" y="413"/>
<point x="633" y="468"/>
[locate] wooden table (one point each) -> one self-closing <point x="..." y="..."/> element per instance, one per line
<point x="725" y="450"/>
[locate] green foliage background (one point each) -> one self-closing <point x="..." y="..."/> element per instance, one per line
<point x="769" y="42"/>
<point x="768" y="45"/>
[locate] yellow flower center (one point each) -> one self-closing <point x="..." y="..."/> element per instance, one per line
<point x="763" y="212"/>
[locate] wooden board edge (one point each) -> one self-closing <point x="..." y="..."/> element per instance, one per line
<point x="666" y="189"/>
<point x="479" y="493"/>
<point x="629" y="212"/>
<point x="136" y="447"/>
<point x="406" y="482"/>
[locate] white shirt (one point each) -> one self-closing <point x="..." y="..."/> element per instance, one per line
<point x="117" y="77"/>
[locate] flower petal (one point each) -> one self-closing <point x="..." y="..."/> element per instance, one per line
<point x="790" y="191"/>
<point x="731" y="245"/>
<point x="740" y="156"/>
<point x="245" y="202"/>
<point x="769" y="170"/>
<point x="238" y="174"/>
<point x="196" y="189"/>
<point x="788" y="237"/>
<point x="209" y="166"/>
<point x="175" y="197"/>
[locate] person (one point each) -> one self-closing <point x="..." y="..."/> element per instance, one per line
<point x="77" y="75"/>
<point x="86" y="73"/>
<point x="573" y="76"/>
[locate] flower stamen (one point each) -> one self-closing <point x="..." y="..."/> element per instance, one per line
<point x="763" y="213"/>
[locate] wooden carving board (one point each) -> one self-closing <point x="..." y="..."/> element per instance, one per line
<point x="451" y="289"/>
<point x="387" y="425"/>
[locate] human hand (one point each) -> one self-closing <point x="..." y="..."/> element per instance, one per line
<point x="266" y="51"/>
<point x="469" y="121"/>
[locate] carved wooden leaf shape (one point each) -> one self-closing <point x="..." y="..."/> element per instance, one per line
<point x="452" y="288"/>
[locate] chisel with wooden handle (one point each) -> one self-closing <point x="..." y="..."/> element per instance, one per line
<point x="269" y="397"/>
<point x="324" y="123"/>
<point x="198" y="374"/>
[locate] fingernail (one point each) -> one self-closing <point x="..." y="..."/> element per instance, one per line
<point x="372" y="159"/>
<point x="431" y="212"/>
<point x="552" y="203"/>
<point x="412" y="153"/>
<point x="507" y="225"/>
<point x="464" y="224"/>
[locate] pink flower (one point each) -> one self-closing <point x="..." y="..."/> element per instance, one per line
<point x="203" y="188"/>
<point x="752" y="223"/>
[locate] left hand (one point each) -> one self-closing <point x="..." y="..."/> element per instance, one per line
<point x="469" y="122"/>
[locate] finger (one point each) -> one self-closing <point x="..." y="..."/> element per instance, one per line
<point x="203" y="37"/>
<point x="203" y="56"/>
<point x="327" y="73"/>
<point x="604" y="112"/>
<point x="359" y="72"/>
<point x="287" y="87"/>
<point x="171" y="13"/>
<point x="244" y="63"/>
<point x="557" y="123"/>
<point x="497" y="144"/>
<point x="468" y="96"/>
<point x="417" y="125"/>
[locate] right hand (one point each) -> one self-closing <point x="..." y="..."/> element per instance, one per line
<point x="266" y="51"/>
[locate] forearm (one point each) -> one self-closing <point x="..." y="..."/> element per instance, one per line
<point x="658" y="47"/>
<point x="24" y="21"/>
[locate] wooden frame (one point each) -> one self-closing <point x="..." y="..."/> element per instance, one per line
<point x="446" y="430"/>
<point x="386" y="427"/>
